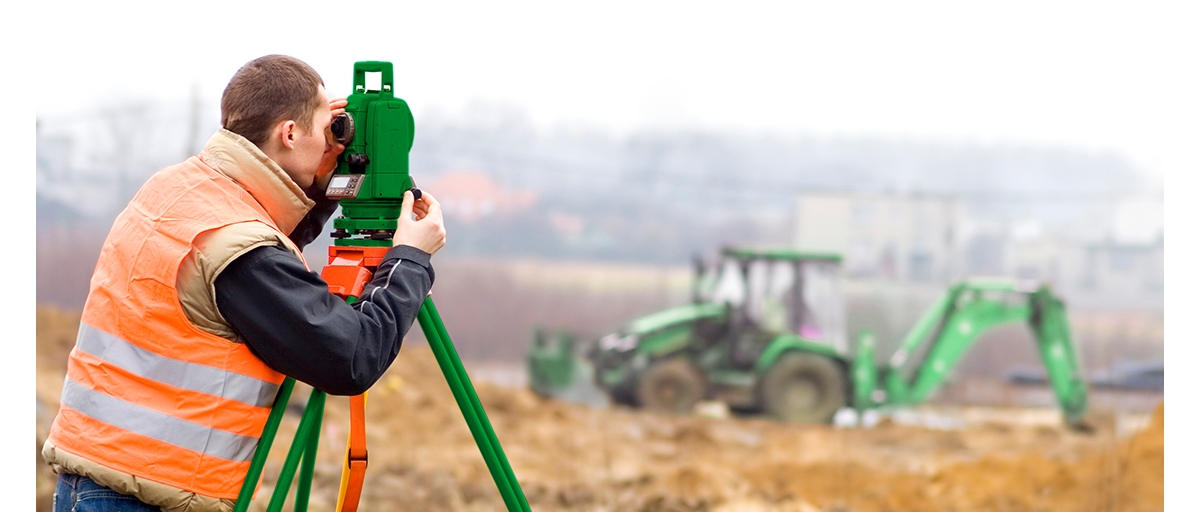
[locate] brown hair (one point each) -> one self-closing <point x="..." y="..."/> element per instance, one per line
<point x="268" y="90"/>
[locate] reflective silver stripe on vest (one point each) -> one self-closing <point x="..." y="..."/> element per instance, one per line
<point x="163" y="427"/>
<point x="191" y="376"/>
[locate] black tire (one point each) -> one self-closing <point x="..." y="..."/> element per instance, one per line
<point x="671" y="386"/>
<point x="803" y="387"/>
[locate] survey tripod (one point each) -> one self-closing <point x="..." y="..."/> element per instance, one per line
<point x="370" y="181"/>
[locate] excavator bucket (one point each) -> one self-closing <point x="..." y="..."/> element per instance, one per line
<point x="557" y="370"/>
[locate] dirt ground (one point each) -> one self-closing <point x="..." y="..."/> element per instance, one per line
<point x="574" y="457"/>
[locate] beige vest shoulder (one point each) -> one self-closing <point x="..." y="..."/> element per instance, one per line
<point x="211" y="253"/>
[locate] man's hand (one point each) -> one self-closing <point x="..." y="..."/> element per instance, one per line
<point x="337" y="106"/>
<point x="420" y="223"/>
<point x="333" y="148"/>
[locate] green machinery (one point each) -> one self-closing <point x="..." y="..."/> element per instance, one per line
<point x="765" y="333"/>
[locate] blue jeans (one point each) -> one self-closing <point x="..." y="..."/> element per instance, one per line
<point x="77" y="493"/>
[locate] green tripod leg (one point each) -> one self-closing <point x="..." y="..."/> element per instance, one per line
<point x="302" y="454"/>
<point x="468" y="402"/>
<point x="306" y="434"/>
<point x="264" y="445"/>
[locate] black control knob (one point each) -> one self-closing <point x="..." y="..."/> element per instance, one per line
<point x="358" y="160"/>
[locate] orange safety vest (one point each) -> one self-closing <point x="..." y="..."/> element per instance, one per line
<point x="147" y="393"/>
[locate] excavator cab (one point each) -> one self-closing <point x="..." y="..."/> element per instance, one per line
<point x="777" y="291"/>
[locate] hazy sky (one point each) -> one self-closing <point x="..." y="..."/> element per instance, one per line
<point x="1091" y="77"/>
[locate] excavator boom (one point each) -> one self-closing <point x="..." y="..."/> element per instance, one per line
<point x="968" y="309"/>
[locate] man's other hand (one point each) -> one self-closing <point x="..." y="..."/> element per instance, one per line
<point x="333" y="148"/>
<point x="337" y="107"/>
<point x="420" y="223"/>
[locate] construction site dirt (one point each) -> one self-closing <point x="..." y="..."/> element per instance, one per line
<point x="577" y="457"/>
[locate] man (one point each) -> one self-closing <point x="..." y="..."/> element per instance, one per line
<point x="201" y="304"/>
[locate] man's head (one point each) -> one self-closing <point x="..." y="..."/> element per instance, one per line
<point x="279" y="103"/>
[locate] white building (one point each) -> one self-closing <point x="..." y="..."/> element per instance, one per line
<point x="929" y="239"/>
<point x="1123" y="267"/>
<point x="884" y="235"/>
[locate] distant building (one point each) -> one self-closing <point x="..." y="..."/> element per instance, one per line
<point x="469" y="196"/>
<point x="921" y="238"/>
<point x="1124" y="272"/>
<point x="1030" y="251"/>
<point x="1102" y="273"/>
<point x="907" y="237"/>
<point x="1123" y="268"/>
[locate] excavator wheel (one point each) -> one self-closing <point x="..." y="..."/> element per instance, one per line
<point x="671" y="386"/>
<point x="803" y="388"/>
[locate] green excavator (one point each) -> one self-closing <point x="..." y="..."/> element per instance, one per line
<point x="765" y="333"/>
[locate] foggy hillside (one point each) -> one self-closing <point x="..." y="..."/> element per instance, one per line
<point x="703" y="178"/>
<point x="703" y="175"/>
<point x="651" y="196"/>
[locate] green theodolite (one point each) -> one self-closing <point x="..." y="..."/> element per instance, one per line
<point x="372" y="173"/>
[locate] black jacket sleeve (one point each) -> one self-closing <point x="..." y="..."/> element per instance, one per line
<point x="313" y="223"/>
<point x="290" y="320"/>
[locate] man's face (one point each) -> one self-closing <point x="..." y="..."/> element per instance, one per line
<point x="305" y="158"/>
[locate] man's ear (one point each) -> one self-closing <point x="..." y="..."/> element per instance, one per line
<point x="285" y="131"/>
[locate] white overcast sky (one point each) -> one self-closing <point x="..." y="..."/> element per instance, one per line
<point x="1092" y="77"/>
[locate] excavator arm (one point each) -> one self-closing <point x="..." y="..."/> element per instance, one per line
<point x="952" y="325"/>
<point x="1049" y="321"/>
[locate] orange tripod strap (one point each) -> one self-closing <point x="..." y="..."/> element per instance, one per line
<point x="348" y="271"/>
<point x="355" y="469"/>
